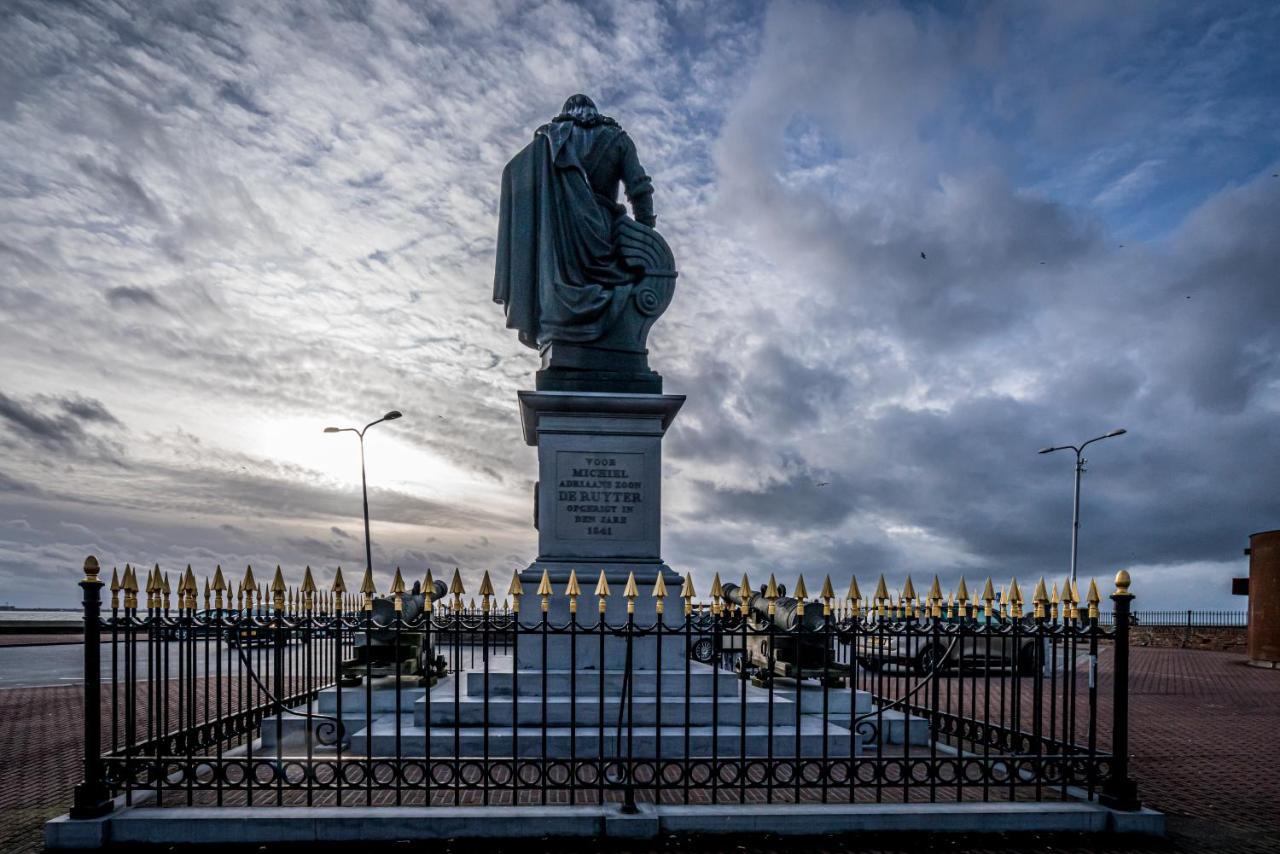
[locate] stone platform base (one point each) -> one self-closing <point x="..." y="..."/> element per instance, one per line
<point x="264" y="825"/>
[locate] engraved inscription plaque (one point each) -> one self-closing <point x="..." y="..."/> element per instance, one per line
<point x="599" y="496"/>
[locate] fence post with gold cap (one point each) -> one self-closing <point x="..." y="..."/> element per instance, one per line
<point x="91" y="796"/>
<point x="1120" y="791"/>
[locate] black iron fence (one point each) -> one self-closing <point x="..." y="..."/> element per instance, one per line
<point x="286" y="696"/>
<point x="1188" y="619"/>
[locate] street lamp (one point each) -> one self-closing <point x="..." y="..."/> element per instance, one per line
<point x="364" y="486"/>
<point x="1075" y="513"/>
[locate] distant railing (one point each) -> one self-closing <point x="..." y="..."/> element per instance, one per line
<point x="1189" y="619"/>
<point x="292" y="696"/>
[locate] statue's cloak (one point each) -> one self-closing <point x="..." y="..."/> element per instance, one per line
<point x="559" y="276"/>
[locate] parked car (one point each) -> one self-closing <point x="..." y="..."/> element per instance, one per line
<point x="924" y="654"/>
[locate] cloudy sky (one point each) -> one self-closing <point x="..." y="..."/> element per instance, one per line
<point x="917" y="243"/>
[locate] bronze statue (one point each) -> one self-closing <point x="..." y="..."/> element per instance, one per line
<point x="580" y="280"/>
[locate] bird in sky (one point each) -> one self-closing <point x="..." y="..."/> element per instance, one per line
<point x="824" y="483"/>
<point x="922" y="255"/>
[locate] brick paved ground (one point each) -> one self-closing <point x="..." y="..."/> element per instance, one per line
<point x="1205" y="737"/>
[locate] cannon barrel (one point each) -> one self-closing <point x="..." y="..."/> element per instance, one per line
<point x="784" y="616"/>
<point x="411" y="604"/>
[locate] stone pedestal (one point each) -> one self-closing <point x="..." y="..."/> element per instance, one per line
<point x="598" y="507"/>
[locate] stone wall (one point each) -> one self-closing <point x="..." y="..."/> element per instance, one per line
<point x="1222" y="638"/>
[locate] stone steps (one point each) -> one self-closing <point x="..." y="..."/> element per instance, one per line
<point x="586" y="711"/>
<point x="892" y="727"/>
<point x="503" y="681"/>
<point x="470" y="741"/>
<point x="458" y="710"/>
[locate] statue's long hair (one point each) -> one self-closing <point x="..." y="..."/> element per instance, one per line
<point x="581" y="110"/>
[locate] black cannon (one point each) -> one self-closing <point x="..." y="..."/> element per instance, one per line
<point x="377" y="652"/>
<point x="780" y="644"/>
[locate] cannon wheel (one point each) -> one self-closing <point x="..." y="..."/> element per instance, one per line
<point x="928" y="660"/>
<point x="703" y="650"/>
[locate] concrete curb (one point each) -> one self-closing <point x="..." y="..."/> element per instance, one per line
<point x="260" y="825"/>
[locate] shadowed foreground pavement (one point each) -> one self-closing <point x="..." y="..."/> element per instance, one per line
<point x="1205" y="732"/>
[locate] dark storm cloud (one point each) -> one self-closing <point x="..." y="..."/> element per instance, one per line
<point x="57" y="423"/>
<point x="124" y="295"/>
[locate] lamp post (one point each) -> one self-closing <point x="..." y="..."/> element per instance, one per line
<point x="364" y="485"/>
<point x="1075" y="513"/>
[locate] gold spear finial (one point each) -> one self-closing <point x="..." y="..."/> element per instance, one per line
<point x="659" y="593"/>
<point x="1122" y="583"/>
<point x="249" y="583"/>
<point x="544" y="586"/>
<point x="745" y="593"/>
<point x="308" y="589"/>
<point x="1015" y="597"/>
<point x="1094" y="598"/>
<point x="164" y="587"/>
<point x="988" y="598"/>
<point x="456" y="589"/>
<point x="935" y="598"/>
<point x="909" y="591"/>
<point x="854" y="594"/>
<point x="193" y="589"/>
<point x="630" y="592"/>
<point x="771" y="588"/>
<point x="130" y="585"/>
<point x="278" y="588"/>
<point x="962" y="592"/>
<point x="573" y="590"/>
<point x="339" y="586"/>
<point x="882" y="590"/>
<point x="219" y="585"/>
<point x="828" y="592"/>
<point x="687" y="593"/>
<point x="115" y="588"/>
<point x="1040" y="599"/>
<point x="367" y="588"/>
<point x="602" y="590"/>
<point x="91" y="569"/>
<point x="717" y="589"/>
<point x="397" y="590"/>
<point x="801" y="593"/>
<point x="660" y="587"/>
